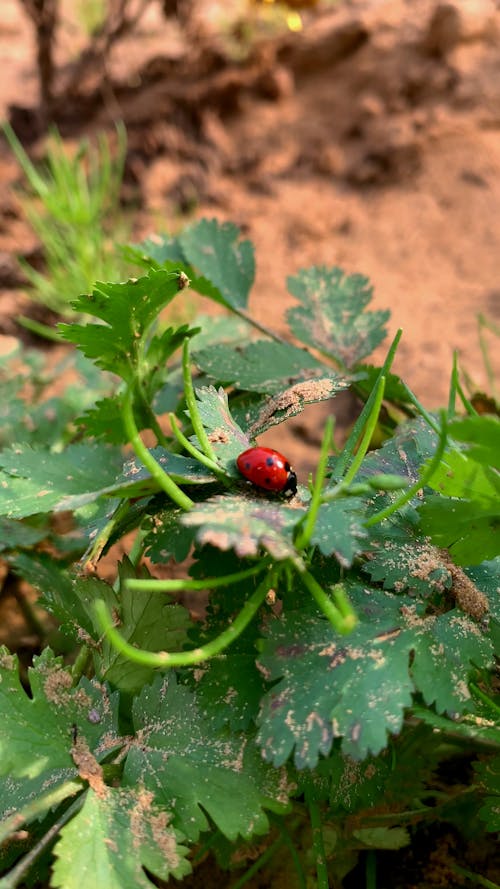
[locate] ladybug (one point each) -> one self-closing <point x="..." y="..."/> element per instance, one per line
<point x="267" y="469"/>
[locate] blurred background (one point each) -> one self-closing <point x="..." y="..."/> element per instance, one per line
<point x="359" y="133"/>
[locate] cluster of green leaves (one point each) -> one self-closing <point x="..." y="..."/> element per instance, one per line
<point x="350" y="632"/>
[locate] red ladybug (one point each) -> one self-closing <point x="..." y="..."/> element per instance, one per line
<point x="267" y="469"/>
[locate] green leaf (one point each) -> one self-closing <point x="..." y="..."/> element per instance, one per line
<point x="227" y="438"/>
<point x="36" y="740"/>
<point x="292" y="401"/>
<point x="403" y="454"/>
<point x="168" y="538"/>
<point x="230" y="687"/>
<point x="458" y="475"/>
<point x="332" y="317"/>
<point x="466" y="519"/>
<point x="403" y="560"/>
<point x="467" y="529"/>
<point x="147" y="621"/>
<point x="16" y="535"/>
<point x="34" y="480"/>
<point x="482" y="432"/>
<point x="226" y="263"/>
<point x="488" y="773"/>
<point x="114" y="838"/>
<point x="157" y="251"/>
<point x="127" y="310"/>
<point x="69" y="599"/>
<point x="261" y="366"/>
<point x="196" y="770"/>
<point x="339" y="530"/>
<point x="358" y="687"/>
<point x="391" y="838"/>
<point x="245" y="525"/>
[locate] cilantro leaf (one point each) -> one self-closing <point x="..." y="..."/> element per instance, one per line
<point x="245" y="525"/>
<point x="332" y="317"/>
<point x="227" y="438"/>
<point x="339" y="530"/>
<point x="226" y="264"/>
<point x="36" y="740"/>
<point x="193" y="768"/>
<point x="115" y="836"/>
<point x="126" y="309"/>
<point x="261" y="366"/>
<point x="35" y="480"/>
<point x="358" y="687"/>
<point x="466" y="518"/>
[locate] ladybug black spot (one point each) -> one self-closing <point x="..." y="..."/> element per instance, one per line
<point x="269" y="461"/>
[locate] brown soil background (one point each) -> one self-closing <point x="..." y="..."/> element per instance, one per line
<point x="385" y="162"/>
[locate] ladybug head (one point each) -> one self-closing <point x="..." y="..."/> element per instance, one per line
<point x="290" y="488"/>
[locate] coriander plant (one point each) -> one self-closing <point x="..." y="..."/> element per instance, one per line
<point x="343" y="648"/>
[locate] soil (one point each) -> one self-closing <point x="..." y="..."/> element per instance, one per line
<point x="369" y="140"/>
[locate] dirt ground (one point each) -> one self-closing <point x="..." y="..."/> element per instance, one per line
<point x="379" y="153"/>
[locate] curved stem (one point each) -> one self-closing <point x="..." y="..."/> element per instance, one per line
<point x="340" y="612"/>
<point x="193" y="406"/>
<point x="151" y="585"/>
<point x="351" y="442"/>
<point x="420" y="483"/>
<point x="184" y="658"/>
<point x="191" y="448"/>
<point x="304" y="536"/>
<point x="153" y="421"/>
<point x="81" y="664"/>
<point x="318" y="846"/>
<point x="165" y="482"/>
<point x="368" y="433"/>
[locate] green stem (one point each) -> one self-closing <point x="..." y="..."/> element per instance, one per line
<point x="483" y="345"/>
<point x="353" y="439"/>
<point x="17" y="874"/>
<point x="339" y="612"/>
<point x="368" y="433"/>
<point x="258" y="326"/>
<point x="412" y="398"/>
<point x="191" y="448"/>
<point x="485" y="699"/>
<point x="81" y="664"/>
<point x="38" y="807"/>
<point x="420" y="483"/>
<point x="304" y="536"/>
<point x="299" y="871"/>
<point x="184" y="658"/>
<point x="452" y="397"/>
<point x="157" y="473"/>
<point x="137" y="548"/>
<point x="259" y="863"/>
<point x="476" y="879"/>
<point x="318" y="846"/>
<point x="95" y="552"/>
<point x="193" y="405"/>
<point x="153" y="421"/>
<point x="177" y="584"/>
<point x="456" y="389"/>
